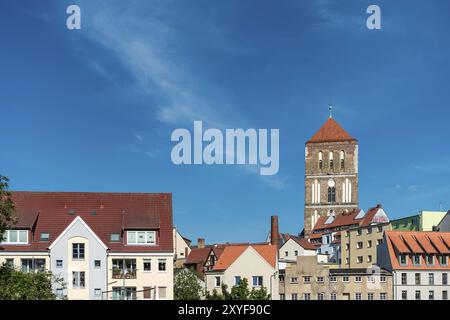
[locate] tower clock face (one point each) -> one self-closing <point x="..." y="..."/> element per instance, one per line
<point x="331" y="183"/>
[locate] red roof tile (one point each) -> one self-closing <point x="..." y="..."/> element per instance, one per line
<point x="198" y="255"/>
<point x="396" y="243"/>
<point x="304" y="243"/>
<point x="104" y="213"/>
<point x="331" y="131"/>
<point x="232" y="252"/>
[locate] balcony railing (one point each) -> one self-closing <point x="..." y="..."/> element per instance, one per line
<point x="124" y="273"/>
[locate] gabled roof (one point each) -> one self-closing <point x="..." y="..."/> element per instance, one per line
<point x="198" y="255"/>
<point x="104" y="213"/>
<point x="232" y="252"/>
<point x="331" y="131"/>
<point x="304" y="243"/>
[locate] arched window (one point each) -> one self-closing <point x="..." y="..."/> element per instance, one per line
<point x="342" y="160"/>
<point x="331" y="194"/>
<point x="331" y="160"/>
<point x="320" y="160"/>
<point x="331" y="191"/>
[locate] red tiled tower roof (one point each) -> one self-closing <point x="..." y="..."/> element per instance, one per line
<point x="331" y="131"/>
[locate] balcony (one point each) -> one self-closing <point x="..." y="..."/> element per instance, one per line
<point x="124" y="273"/>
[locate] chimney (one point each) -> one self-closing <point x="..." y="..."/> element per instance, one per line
<point x="201" y="242"/>
<point x="274" y="234"/>
<point x="379" y="206"/>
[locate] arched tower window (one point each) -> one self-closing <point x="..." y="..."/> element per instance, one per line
<point x="331" y="191"/>
<point x="342" y="160"/>
<point x="320" y="160"/>
<point x="331" y="160"/>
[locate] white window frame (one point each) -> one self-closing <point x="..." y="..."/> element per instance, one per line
<point x="383" y="296"/>
<point x="259" y="283"/>
<point x="78" y="274"/>
<point x="136" y="243"/>
<point x="217" y="282"/>
<point x="165" y="261"/>
<point x="150" y="261"/>
<point x="6" y="237"/>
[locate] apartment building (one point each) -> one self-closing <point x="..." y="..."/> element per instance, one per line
<point x="104" y="245"/>
<point x="359" y="245"/>
<point x="418" y="261"/>
<point x="310" y="279"/>
<point x="423" y="221"/>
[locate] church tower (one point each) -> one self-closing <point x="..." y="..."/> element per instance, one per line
<point x="331" y="173"/>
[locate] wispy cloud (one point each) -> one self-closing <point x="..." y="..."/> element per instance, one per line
<point x="395" y="188"/>
<point x="433" y="168"/>
<point x="138" y="136"/>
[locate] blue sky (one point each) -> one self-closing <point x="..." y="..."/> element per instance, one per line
<point x="93" y="109"/>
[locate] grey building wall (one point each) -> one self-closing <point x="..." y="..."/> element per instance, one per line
<point x="61" y="251"/>
<point x="444" y="225"/>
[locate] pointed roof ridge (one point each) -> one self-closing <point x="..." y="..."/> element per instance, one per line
<point x="331" y="131"/>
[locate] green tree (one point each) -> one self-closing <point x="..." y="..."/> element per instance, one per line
<point x="240" y="291"/>
<point x="186" y="285"/>
<point x="7" y="216"/>
<point x="259" y="294"/>
<point x="18" y="285"/>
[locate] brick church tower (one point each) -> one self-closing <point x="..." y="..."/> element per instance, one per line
<point x="331" y="173"/>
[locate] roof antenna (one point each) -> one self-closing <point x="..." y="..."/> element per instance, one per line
<point x="330" y="108"/>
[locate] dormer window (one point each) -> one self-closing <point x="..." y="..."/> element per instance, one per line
<point x="402" y="259"/>
<point x="141" y="237"/>
<point x="15" y="237"/>
<point x="45" y="236"/>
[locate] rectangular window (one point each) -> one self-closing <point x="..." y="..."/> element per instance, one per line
<point x="380" y="229"/>
<point x="78" y="251"/>
<point x="286" y="253"/>
<point x="417" y="295"/>
<point x="358" y="279"/>
<point x="124" y="268"/>
<point x="359" y="245"/>
<point x="319" y="279"/>
<point x="404" y="295"/>
<point x="45" y="236"/>
<point x="383" y="296"/>
<point x="431" y="279"/>
<point x="257" y="281"/>
<point x="369" y="230"/>
<point x="370" y="296"/>
<point x="379" y="241"/>
<point x="382" y="278"/>
<point x="282" y="296"/>
<point x="358" y="296"/>
<point x="333" y="296"/>
<point x="444" y="278"/>
<point x="345" y="278"/>
<point x="147" y="293"/>
<point x="78" y="279"/>
<point x="33" y="265"/>
<point x="294" y="280"/>
<point x="347" y="246"/>
<point x="141" y="237"/>
<point x="296" y="253"/>
<point x="115" y="237"/>
<point x="237" y="280"/>
<point x="402" y="259"/>
<point x="359" y="259"/>
<point x="307" y="296"/>
<point x="333" y="279"/>
<point x="15" y="237"/>
<point x="97" y="264"/>
<point x="404" y="279"/>
<point x="59" y="263"/>
<point x="369" y="258"/>
<point x="162" y="292"/>
<point x="294" y="296"/>
<point x="445" y="295"/>
<point x="98" y="293"/>
<point x="321" y="296"/>
<point x="307" y="279"/>
<point x="369" y="244"/>
<point x="217" y="282"/>
<point x="430" y="260"/>
<point x="443" y="260"/>
<point x="59" y="293"/>
<point x="147" y="265"/>
<point x="417" y="278"/>
<point x="431" y="295"/>
<point x="416" y="258"/>
<point x="161" y="264"/>
<point x="359" y="232"/>
<point x="121" y="293"/>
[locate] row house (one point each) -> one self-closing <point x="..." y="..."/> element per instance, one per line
<point x="310" y="279"/>
<point x="418" y="261"/>
<point x="103" y="245"/>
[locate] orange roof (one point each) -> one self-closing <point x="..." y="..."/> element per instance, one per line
<point x="232" y="252"/>
<point x="419" y="242"/>
<point x="331" y="131"/>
